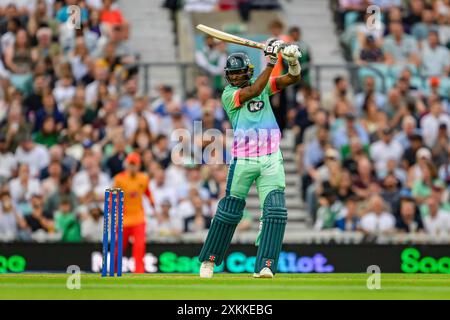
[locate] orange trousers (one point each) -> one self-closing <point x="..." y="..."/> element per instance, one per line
<point x="138" y="251"/>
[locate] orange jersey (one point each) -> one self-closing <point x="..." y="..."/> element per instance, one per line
<point x="134" y="188"/>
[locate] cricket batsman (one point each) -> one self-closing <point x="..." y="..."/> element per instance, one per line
<point x="256" y="157"/>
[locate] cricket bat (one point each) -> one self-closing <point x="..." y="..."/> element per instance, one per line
<point x="229" y="37"/>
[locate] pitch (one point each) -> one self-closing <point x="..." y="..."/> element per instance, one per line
<point x="225" y="286"/>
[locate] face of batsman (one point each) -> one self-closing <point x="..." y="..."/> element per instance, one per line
<point x="238" y="78"/>
<point x="238" y="70"/>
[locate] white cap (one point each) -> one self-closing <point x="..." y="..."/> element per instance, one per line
<point x="332" y="153"/>
<point x="423" y="153"/>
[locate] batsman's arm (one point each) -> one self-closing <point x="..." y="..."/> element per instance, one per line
<point x="291" y="54"/>
<point x="271" y="50"/>
<point x="286" y="80"/>
<point x="257" y="87"/>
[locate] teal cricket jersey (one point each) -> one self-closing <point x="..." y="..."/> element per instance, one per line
<point x="256" y="131"/>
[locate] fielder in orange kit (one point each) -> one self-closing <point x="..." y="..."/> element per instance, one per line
<point x="135" y="185"/>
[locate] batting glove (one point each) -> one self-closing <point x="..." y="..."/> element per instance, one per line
<point x="291" y="53"/>
<point x="271" y="50"/>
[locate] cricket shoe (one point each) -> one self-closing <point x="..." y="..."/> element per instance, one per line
<point x="207" y="269"/>
<point x="264" y="273"/>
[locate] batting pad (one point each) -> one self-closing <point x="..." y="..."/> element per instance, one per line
<point x="272" y="233"/>
<point x="229" y="213"/>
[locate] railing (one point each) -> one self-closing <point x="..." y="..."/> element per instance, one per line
<point x="188" y="70"/>
<point x="305" y="236"/>
<point x="352" y="68"/>
<point x="147" y="66"/>
<point x="331" y="236"/>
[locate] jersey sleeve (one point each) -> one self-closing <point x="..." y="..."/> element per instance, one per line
<point x="271" y="87"/>
<point x="230" y="98"/>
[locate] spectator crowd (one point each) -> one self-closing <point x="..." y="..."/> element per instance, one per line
<point x="378" y="161"/>
<point x="70" y="111"/>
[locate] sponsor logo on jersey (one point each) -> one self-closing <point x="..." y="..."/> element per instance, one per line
<point x="255" y="106"/>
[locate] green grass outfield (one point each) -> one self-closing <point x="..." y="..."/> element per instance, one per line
<point x="225" y="286"/>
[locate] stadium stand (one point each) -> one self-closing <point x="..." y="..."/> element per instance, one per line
<point x="366" y="133"/>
